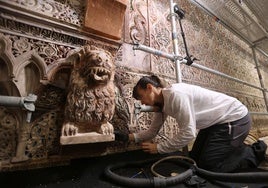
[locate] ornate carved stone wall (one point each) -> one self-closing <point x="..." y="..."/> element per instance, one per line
<point x="215" y="46"/>
<point x="36" y="37"/>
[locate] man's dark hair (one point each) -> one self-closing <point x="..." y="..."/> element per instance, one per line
<point x="142" y="83"/>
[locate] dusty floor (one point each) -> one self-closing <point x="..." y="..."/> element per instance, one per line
<point x="88" y="172"/>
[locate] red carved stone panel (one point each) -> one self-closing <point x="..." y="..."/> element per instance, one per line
<point x="105" y="17"/>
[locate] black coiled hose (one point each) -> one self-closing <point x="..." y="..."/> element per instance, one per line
<point x="245" y="177"/>
<point x="143" y="182"/>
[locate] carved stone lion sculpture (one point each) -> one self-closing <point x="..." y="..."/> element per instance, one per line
<point x="91" y="97"/>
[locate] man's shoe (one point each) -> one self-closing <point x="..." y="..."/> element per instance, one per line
<point x="265" y="140"/>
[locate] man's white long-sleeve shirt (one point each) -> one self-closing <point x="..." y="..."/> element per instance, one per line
<point x="194" y="108"/>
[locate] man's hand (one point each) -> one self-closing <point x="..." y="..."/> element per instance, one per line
<point x="149" y="147"/>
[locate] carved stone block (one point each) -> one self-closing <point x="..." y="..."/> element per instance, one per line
<point x="91" y="137"/>
<point x="91" y="97"/>
<point x="105" y="17"/>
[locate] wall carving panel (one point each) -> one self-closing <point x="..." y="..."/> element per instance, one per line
<point x="160" y="38"/>
<point x="43" y="135"/>
<point x="32" y="54"/>
<point x="8" y="134"/>
<point x="8" y="23"/>
<point x="138" y="22"/>
<point x="70" y="11"/>
<point x="216" y="47"/>
<point x="34" y="59"/>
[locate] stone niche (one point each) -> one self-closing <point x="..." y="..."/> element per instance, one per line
<point x="105" y="17"/>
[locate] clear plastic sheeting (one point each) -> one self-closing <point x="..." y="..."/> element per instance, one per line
<point x="246" y="18"/>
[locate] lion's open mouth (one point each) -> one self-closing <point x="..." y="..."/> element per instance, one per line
<point x="99" y="74"/>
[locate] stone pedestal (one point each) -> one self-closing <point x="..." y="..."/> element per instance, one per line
<point x="105" y="17"/>
<point x="92" y="137"/>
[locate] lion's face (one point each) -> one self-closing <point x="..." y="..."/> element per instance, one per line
<point x="98" y="68"/>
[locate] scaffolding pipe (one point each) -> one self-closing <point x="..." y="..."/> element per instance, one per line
<point x="179" y="59"/>
<point x="250" y="17"/>
<point x="184" y="61"/>
<point x="173" y="17"/>
<point x="142" y="108"/>
<point x="154" y="51"/>
<point x="25" y="102"/>
<point x="260" y="77"/>
<point x="145" y="108"/>
<point x="261" y="51"/>
<point x="230" y="28"/>
<point x="224" y="75"/>
<point x="223" y="23"/>
<point x="259" y="113"/>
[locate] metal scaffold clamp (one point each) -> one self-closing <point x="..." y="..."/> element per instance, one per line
<point x="190" y="60"/>
<point x="24" y="102"/>
<point x="180" y="14"/>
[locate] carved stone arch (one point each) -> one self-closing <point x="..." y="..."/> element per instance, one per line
<point x="59" y="74"/>
<point x="6" y="54"/>
<point x="8" y="89"/>
<point x="29" y="71"/>
<point x="30" y="57"/>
